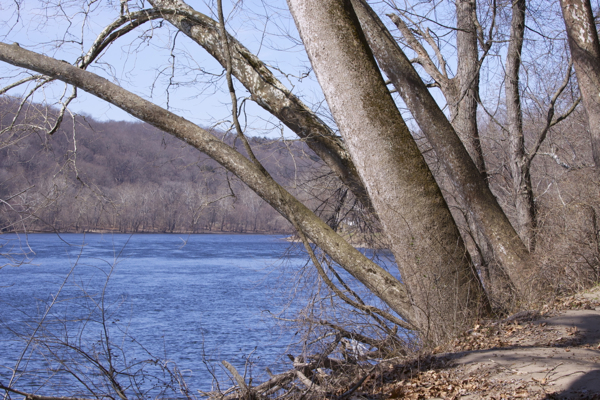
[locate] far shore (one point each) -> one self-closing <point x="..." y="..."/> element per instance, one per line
<point x="354" y="240"/>
<point x="177" y="232"/>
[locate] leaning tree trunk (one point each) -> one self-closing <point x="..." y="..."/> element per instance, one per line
<point x="463" y="92"/>
<point x="373" y="276"/>
<point x="519" y="166"/>
<point x="426" y="243"/>
<point x="585" y="51"/>
<point x="506" y="246"/>
<point x="267" y="91"/>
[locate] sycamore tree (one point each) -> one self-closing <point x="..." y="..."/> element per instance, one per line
<point x="366" y="144"/>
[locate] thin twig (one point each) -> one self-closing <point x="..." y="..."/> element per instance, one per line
<point x="234" y="106"/>
<point x="22" y="81"/>
<point x="368" y="309"/>
<point x="550" y="121"/>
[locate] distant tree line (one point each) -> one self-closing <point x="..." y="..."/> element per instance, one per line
<point x="127" y="177"/>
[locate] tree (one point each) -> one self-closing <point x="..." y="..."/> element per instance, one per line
<point x="585" y="50"/>
<point x="417" y="311"/>
<point x="436" y="269"/>
<point x="419" y="31"/>
<point x="521" y="177"/>
<point x="466" y="178"/>
<point x="520" y="158"/>
<point x="373" y="276"/>
<point x="376" y="158"/>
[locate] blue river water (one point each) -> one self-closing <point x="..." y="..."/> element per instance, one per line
<point x="192" y="299"/>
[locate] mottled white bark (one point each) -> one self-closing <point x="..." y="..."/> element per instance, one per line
<point x="426" y="243"/>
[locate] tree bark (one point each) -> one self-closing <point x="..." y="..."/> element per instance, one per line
<point x="519" y="166"/>
<point x="585" y="50"/>
<point x="374" y="277"/>
<point x="429" y="251"/>
<point x="508" y="250"/>
<point x="463" y="91"/>
<point x="268" y="92"/>
<point x="462" y="96"/>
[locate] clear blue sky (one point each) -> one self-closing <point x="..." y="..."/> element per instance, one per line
<point x="142" y="61"/>
<point x="144" y="65"/>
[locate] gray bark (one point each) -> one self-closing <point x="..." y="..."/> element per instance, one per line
<point x="268" y="92"/>
<point x="508" y="250"/>
<point x="519" y="165"/>
<point x="379" y="281"/>
<point x="462" y="94"/>
<point x="425" y="241"/>
<point x="462" y="90"/>
<point x="585" y="51"/>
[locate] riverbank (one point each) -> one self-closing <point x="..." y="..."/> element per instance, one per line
<point x="552" y="353"/>
<point x="357" y="240"/>
<point x="178" y="232"/>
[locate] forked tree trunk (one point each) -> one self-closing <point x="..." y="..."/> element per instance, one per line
<point x="507" y="249"/>
<point x="373" y="276"/>
<point x="585" y="51"/>
<point x="445" y="290"/>
<point x="461" y="91"/>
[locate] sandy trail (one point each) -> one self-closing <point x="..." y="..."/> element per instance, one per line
<point x="556" y="356"/>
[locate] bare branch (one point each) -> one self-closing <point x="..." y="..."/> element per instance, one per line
<point x="359" y="305"/>
<point x="31" y="396"/>
<point x="236" y="375"/>
<point x="567" y="113"/>
<point x="423" y="59"/>
<point x="61" y="113"/>
<point x="20" y="82"/>
<point x="234" y="106"/>
<point x="550" y="121"/>
<point x="383" y="284"/>
<point x="557" y="159"/>
<point x="110" y="33"/>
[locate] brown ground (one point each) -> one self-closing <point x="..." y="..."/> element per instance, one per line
<point x="554" y="354"/>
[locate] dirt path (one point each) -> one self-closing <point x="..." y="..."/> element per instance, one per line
<point x="556" y="356"/>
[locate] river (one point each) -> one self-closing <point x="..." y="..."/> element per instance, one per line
<point x="191" y="299"/>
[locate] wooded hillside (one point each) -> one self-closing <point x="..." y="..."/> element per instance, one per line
<point x="129" y="177"/>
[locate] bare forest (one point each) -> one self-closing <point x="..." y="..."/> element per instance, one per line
<point x="462" y="135"/>
<point x="130" y="177"/>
